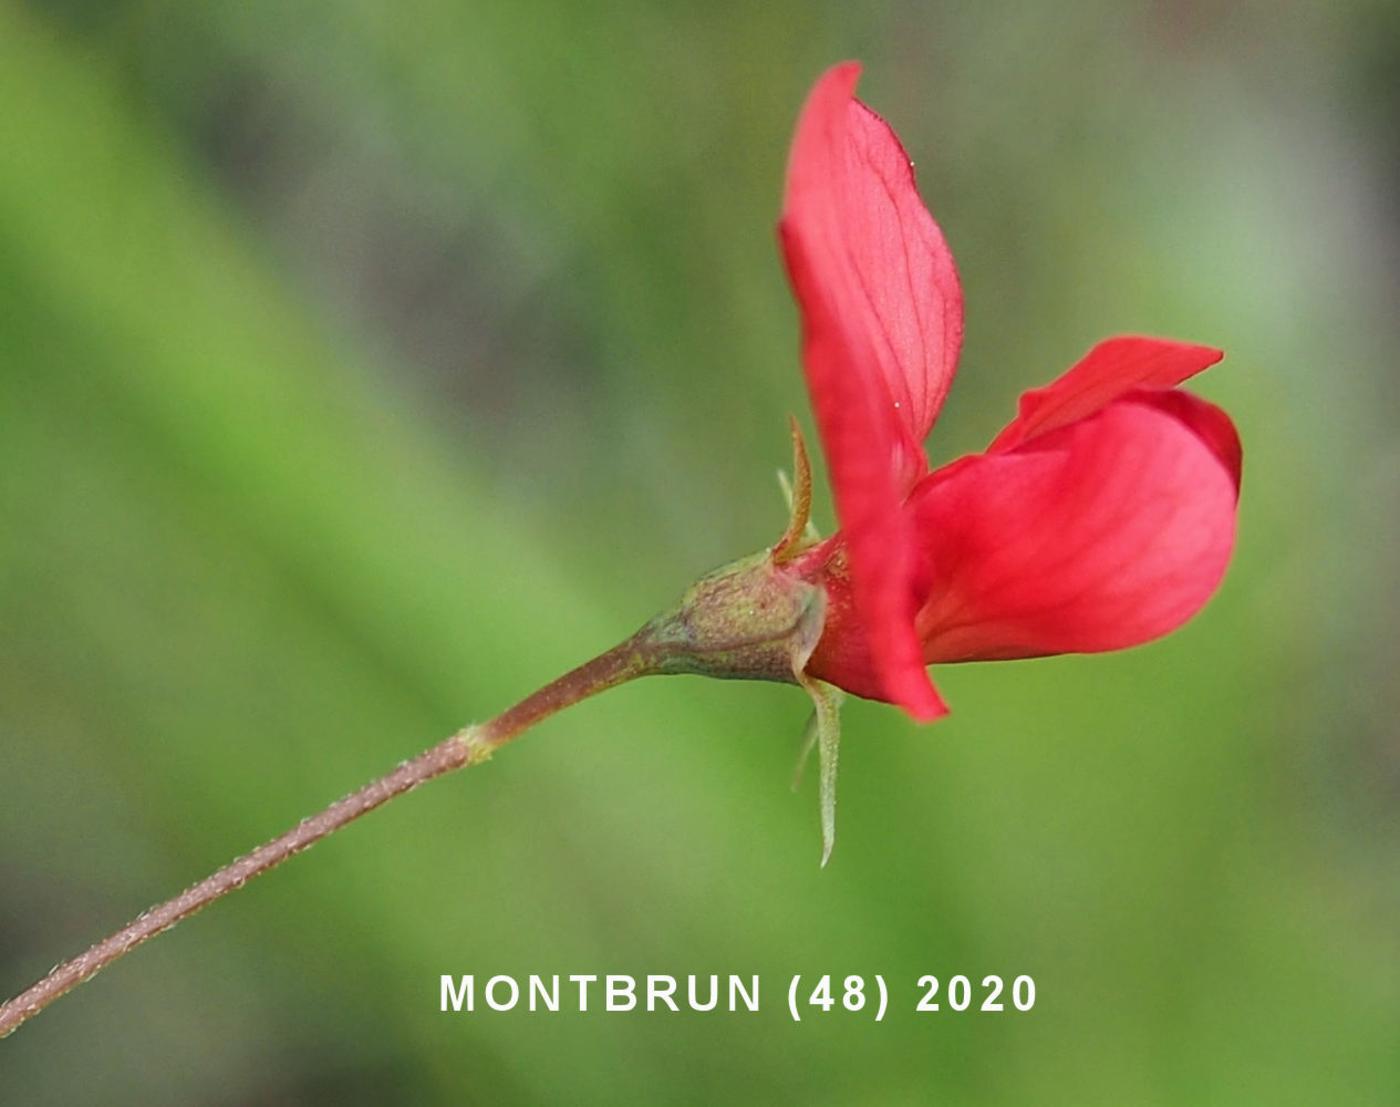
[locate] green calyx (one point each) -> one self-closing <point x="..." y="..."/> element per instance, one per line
<point x="745" y="621"/>
<point x="752" y="619"/>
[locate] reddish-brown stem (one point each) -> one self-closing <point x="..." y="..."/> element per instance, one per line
<point x="633" y="658"/>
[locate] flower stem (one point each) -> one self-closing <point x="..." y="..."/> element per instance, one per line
<point x="638" y="656"/>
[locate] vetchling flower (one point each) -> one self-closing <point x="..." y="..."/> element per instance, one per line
<point x="1101" y="517"/>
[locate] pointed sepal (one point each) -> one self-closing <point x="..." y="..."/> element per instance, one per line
<point x="825" y="729"/>
<point x="800" y="532"/>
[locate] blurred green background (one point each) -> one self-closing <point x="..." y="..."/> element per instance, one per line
<point x="365" y="365"/>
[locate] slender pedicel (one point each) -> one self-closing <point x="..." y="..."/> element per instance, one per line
<point x="469" y="746"/>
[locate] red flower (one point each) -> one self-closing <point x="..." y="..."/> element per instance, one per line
<point x="1101" y="517"/>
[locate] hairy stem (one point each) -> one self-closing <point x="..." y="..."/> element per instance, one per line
<point x="633" y="658"/>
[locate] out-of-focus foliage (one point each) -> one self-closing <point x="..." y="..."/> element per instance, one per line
<point x="362" y="366"/>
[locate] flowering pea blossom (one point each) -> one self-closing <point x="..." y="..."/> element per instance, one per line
<point x="1101" y="517"/>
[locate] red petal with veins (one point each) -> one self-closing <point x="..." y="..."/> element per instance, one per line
<point x="1209" y="422"/>
<point x="1100" y="535"/>
<point x="881" y="328"/>
<point x="1111" y="369"/>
